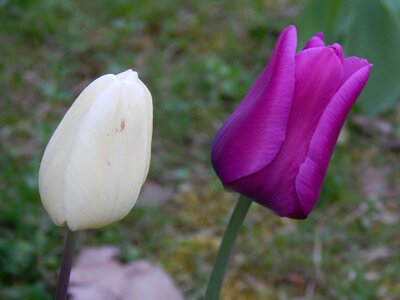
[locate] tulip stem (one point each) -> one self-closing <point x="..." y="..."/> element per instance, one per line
<point x="66" y="265"/>
<point x="225" y="249"/>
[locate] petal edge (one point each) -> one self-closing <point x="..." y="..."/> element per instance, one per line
<point x="313" y="170"/>
<point x="316" y="41"/>
<point x="259" y="122"/>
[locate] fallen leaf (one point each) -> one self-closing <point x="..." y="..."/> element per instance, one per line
<point x="98" y="275"/>
<point x="153" y="194"/>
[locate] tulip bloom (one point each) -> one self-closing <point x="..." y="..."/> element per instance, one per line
<point x="98" y="158"/>
<point x="276" y="146"/>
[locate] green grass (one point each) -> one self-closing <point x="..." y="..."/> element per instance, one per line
<point x="198" y="59"/>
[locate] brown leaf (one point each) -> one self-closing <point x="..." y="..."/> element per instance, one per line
<point x="98" y="275"/>
<point x="153" y="194"/>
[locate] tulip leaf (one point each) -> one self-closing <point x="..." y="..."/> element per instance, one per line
<point x="369" y="29"/>
<point x="393" y="7"/>
<point x="319" y="16"/>
<point x="375" y="36"/>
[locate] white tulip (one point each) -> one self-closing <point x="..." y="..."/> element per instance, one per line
<point x="98" y="158"/>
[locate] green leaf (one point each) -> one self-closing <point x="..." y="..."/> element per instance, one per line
<point x="375" y="35"/>
<point x="319" y="16"/>
<point x="393" y="7"/>
<point x="369" y="29"/>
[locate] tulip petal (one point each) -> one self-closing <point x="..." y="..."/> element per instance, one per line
<point x="316" y="41"/>
<point x="104" y="173"/>
<point x="312" y="171"/>
<point x="149" y="110"/>
<point x="51" y="173"/>
<point x="351" y="65"/>
<point x="132" y="76"/>
<point x="254" y="133"/>
<point x="339" y="51"/>
<point x="318" y="74"/>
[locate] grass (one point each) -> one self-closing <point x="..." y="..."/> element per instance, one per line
<point x="199" y="59"/>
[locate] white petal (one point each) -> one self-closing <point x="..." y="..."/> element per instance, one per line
<point x="53" y="164"/>
<point x="105" y="170"/>
<point x="132" y="76"/>
<point x="128" y="75"/>
<point x="149" y="109"/>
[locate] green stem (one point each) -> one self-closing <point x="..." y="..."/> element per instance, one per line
<point x="66" y="265"/>
<point x="218" y="273"/>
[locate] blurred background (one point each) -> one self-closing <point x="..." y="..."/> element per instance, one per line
<point x="199" y="58"/>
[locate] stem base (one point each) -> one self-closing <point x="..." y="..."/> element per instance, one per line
<point x="218" y="273"/>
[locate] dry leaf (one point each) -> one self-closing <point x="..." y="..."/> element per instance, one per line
<point x="98" y="275"/>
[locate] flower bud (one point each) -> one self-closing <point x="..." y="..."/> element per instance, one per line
<point x="98" y="158"/>
<point x="276" y="146"/>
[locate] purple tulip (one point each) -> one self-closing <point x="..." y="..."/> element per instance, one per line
<point x="276" y="146"/>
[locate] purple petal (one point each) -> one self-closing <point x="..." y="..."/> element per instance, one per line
<point x="339" y="51"/>
<point x="351" y="65"/>
<point x="316" y="41"/>
<point x="312" y="171"/>
<point x="254" y="133"/>
<point x="318" y="74"/>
